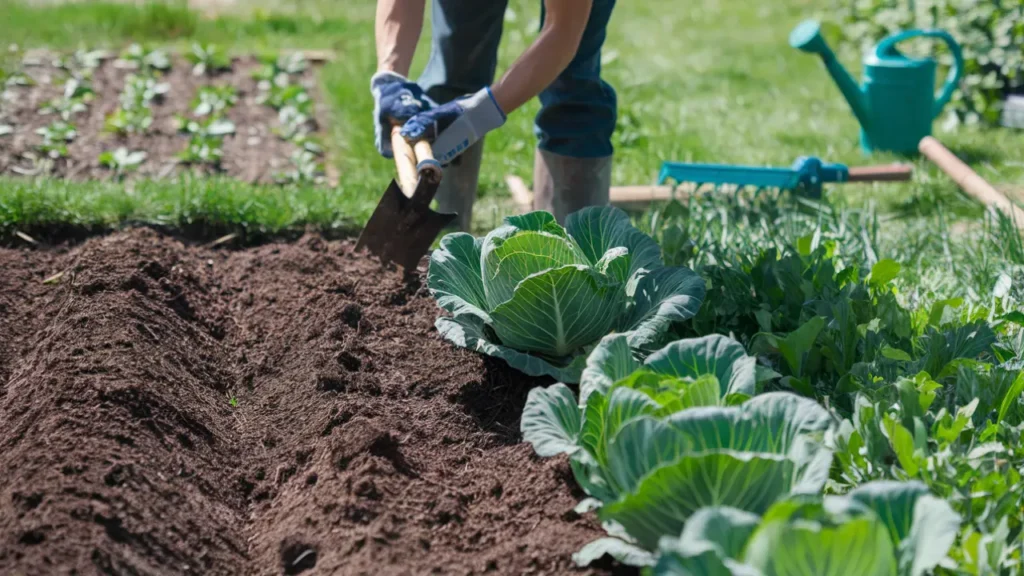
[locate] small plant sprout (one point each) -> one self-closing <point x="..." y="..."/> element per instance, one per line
<point x="212" y="127"/>
<point x="6" y="129"/>
<point x="306" y="168"/>
<point x="123" y="122"/>
<point x="55" y="138"/>
<point x="77" y="93"/>
<point x="139" y="58"/>
<point x="213" y="100"/>
<point x="202" y="150"/>
<point x="293" y="123"/>
<point x="208" y="59"/>
<point x="122" y="161"/>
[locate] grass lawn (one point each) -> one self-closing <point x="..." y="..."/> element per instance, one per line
<point x="712" y="81"/>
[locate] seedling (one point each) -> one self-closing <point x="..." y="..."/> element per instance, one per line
<point x="212" y="127"/>
<point x="276" y="66"/>
<point x="55" y="138"/>
<point x="81" y="63"/>
<point x="213" y="100"/>
<point x="293" y="123"/>
<point x="76" y="94"/>
<point x="208" y="59"/>
<point x="6" y="129"/>
<point x="202" y="150"/>
<point x="305" y="168"/>
<point x="122" y="161"/>
<point x="139" y="58"/>
<point x="277" y="97"/>
<point x="140" y="91"/>
<point x="133" y="121"/>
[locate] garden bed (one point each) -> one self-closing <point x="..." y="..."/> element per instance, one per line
<point x="50" y="127"/>
<point x="289" y="408"/>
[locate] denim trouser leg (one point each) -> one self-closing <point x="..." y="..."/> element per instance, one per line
<point x="463" y="59"/>
<point x="578" y="110"/>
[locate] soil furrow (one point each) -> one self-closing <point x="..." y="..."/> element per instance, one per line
<point x="282" y="409"/>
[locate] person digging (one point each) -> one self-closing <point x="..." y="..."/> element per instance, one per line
<point x="455" y="102"/>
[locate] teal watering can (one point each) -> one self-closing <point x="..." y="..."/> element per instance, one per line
<point x="897" y="102"/>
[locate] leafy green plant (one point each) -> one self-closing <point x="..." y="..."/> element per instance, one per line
<point x="292" y="123"/>
<point x="122" y="160"/>
<point x="81" y="63"/>
<point x="56" y="137"/>
<point x="77" y="95"/>
<point x="208" y="59"/>
<point x="141" y="91"/>
<point x="128" y="121"/>
<point x="135" y="115"/>
<point x="214" y="100"/>
<point x="305" y="168"/>
<point x="274" y="66"/>
<point x="202" y="150"/>
<point x="881" y="529"/>
<point x="653" y="442"/>
<point x="211" y="127"/>
<point x="989" y="34"/>
<point x="144" y="59"/>
<point x="540" y="296"/>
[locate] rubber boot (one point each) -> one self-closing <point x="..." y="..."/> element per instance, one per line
<point x="457" y="191"/>
<point x="563" y="184"/>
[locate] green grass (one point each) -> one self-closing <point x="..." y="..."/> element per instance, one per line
<point x="713" y="82"/>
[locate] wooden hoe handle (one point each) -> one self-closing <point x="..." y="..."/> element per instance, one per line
<point x="413" y="161"/>
<point x="968" y="180"/>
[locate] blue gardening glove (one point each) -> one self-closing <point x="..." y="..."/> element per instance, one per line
<point x="395" y="100"/>
<point x="457" y="125"/>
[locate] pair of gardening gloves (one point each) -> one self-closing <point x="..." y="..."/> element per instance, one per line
<point x="452" y="127"/>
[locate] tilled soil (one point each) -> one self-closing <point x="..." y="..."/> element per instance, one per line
<point x="168" y="408"/>
<point x="254" y="153"/>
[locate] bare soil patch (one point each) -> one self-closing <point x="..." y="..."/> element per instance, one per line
<point x="284" y="409"/>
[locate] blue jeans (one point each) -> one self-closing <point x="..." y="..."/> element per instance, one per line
<point x="578" y="110"/>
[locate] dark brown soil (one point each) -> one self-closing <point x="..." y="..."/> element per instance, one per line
<point x="175" y="409"/>
<point x="253" y="154"/>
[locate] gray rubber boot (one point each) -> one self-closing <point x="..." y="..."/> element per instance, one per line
<point x="563" y="185"/>
<point x="457" y="191"/>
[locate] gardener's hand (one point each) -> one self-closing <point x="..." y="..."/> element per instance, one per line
<point x="395" y="100"/>
<point x="457" y="125"/>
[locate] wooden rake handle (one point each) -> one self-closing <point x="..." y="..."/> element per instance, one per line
<point x="413" y="161"/>
<point x="892" y="173"/>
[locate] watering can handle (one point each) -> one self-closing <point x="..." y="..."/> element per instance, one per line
<point x="952" y="79"/>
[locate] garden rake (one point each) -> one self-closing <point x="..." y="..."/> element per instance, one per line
<point x="804" y="177"/>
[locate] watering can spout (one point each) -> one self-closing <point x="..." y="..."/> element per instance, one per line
<point x="807" y="37"/>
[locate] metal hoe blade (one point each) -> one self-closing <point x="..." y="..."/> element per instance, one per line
<point x="401" y="230"/>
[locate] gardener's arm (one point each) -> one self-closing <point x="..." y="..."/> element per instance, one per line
<point x="397" y="29"/>
<point x="547" y="56"/>
<point x="395" y="98"/>
<point x="462" y="122"/>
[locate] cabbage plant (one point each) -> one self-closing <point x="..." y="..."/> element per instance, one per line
<point x="540" y="296"/>
<point x="652" y="442"/>
<point x="882" y="528"/>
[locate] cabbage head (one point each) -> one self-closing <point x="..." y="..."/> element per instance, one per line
<point x="541" y="296"/>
